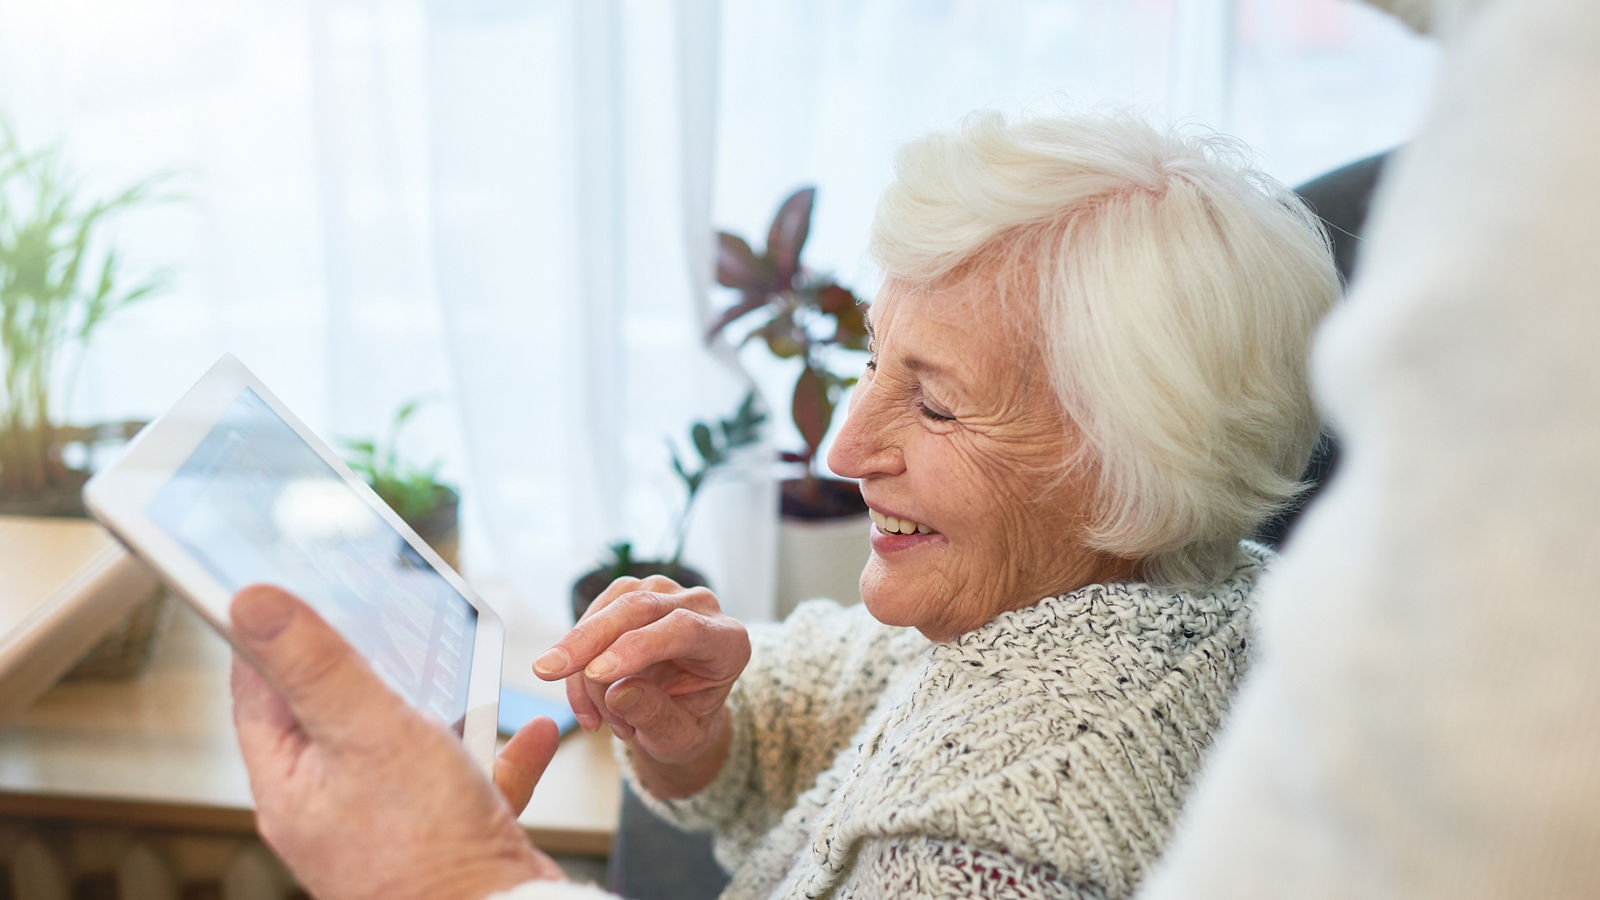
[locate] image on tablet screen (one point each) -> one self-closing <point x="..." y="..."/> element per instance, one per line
<point x="255" y="504"/>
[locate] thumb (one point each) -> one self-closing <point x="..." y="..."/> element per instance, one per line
<point x="328" y="687"/>
<point x="520" y="763"/>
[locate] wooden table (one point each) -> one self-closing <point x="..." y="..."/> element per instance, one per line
<point x="159" y="752"/>
<point x="64" y="585"/>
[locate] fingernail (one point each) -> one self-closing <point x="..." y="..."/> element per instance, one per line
<point x="625" y="699"/>
<point x="261" y="614"/>
<point x="552" y="662"/>
<point x="589" y="723"/>
<point x="603" y="665"/>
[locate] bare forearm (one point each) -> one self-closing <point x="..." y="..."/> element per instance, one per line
<point x="680" y="778"/>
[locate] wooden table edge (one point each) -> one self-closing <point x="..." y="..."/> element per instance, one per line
<point x="231" y="820"/>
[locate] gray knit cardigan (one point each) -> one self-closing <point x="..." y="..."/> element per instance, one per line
<point x="1045" y="754"/>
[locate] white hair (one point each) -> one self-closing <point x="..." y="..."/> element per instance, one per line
<point x="1177" y="291"/>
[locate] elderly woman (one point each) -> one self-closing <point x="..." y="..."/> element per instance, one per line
<point x="1087" y="385"/>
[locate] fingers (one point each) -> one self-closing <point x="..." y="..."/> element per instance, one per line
<point x="687" y="657"/>
<point x="583" y="705"/>
<point x="627" y="604"/>
<point x="634" y="625"/>
<point x="712" y="648"/>
<point x="325" y="685"/>
<point x="653" y="718"/>
<point x="521" y="762"/>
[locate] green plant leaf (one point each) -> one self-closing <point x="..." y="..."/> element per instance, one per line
<point x="784" y="339"/>
<point x="620" y="559"/>
<point x="745" y="426"/>
<point x="407" y="410"/>
<point x="677" y="465"/>
<point x="787" y="236"/>
<point x="700" y="433"/>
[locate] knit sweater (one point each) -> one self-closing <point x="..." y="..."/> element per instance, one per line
<point x="1044" y="754"/>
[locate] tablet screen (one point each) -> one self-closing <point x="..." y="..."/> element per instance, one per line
<point x="254" y="503"/>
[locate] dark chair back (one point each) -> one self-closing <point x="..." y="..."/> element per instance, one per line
<point x="1341" y="199"/>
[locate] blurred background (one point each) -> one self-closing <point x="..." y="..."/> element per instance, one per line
<point x="508" y="207"/>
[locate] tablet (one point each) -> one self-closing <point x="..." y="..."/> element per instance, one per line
<point x="228" y="489"/>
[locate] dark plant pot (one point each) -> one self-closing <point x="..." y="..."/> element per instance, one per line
<point x="440" y="528"/>
<point x="820" y="498"/>
<point x="594" y="582"/>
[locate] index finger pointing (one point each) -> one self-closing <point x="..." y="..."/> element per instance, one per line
<point x="603" y="625"/>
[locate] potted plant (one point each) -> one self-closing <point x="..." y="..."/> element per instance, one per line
<point x="59" y="284"/>
<point x="804" y="316"/>
<point x="431" y="507"/>
<point x="714" y="445"/>
<point x="57" y="288"/>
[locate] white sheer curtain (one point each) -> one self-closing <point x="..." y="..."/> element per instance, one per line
<point x="508" y="203"/>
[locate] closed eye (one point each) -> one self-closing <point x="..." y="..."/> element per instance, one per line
<point x="932" y="414"/>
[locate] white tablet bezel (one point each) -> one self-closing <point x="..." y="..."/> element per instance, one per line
<point x="120" y="495"/>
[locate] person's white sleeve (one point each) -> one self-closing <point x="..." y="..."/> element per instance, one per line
<point x="810" y="684"/>
<point x="1423" y="720"/>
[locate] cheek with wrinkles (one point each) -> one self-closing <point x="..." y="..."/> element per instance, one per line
<point x="1017" y="512"/>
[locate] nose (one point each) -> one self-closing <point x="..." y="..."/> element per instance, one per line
<point x="865" y="445"/>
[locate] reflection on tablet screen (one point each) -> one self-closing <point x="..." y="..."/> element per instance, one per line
<point x="254" y="503"/>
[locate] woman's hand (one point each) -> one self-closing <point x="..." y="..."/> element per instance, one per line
<point x="656" y="661"/>
<point x="359" y="793"/>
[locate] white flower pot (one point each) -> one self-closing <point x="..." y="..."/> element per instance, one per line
<point x="821" y="558"/>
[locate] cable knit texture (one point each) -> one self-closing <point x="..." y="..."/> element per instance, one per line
<point x="1044" y="754"/>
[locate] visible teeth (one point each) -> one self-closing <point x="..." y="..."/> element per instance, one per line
<point x="892" y="525"/>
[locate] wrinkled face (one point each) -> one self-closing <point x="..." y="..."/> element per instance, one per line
<point x="958" y="443"/>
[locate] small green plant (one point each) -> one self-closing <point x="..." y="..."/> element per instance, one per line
<point x="799" y="314"/>
<point x="618" y="560"/>
<point x="57" y="287"/>
<point x="714" y="446"/>
<point x="411" y="491"/>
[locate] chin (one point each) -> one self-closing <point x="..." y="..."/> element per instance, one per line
<point x="877" y="592"/>
<point x="890" y="600"/>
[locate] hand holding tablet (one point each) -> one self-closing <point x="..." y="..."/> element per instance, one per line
<point x="228" y="489"/>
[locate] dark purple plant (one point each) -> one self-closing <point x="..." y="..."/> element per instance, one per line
<point x="798" y="313"/>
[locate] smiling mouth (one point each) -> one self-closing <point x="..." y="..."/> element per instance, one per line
<point x="892" y="525"/>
